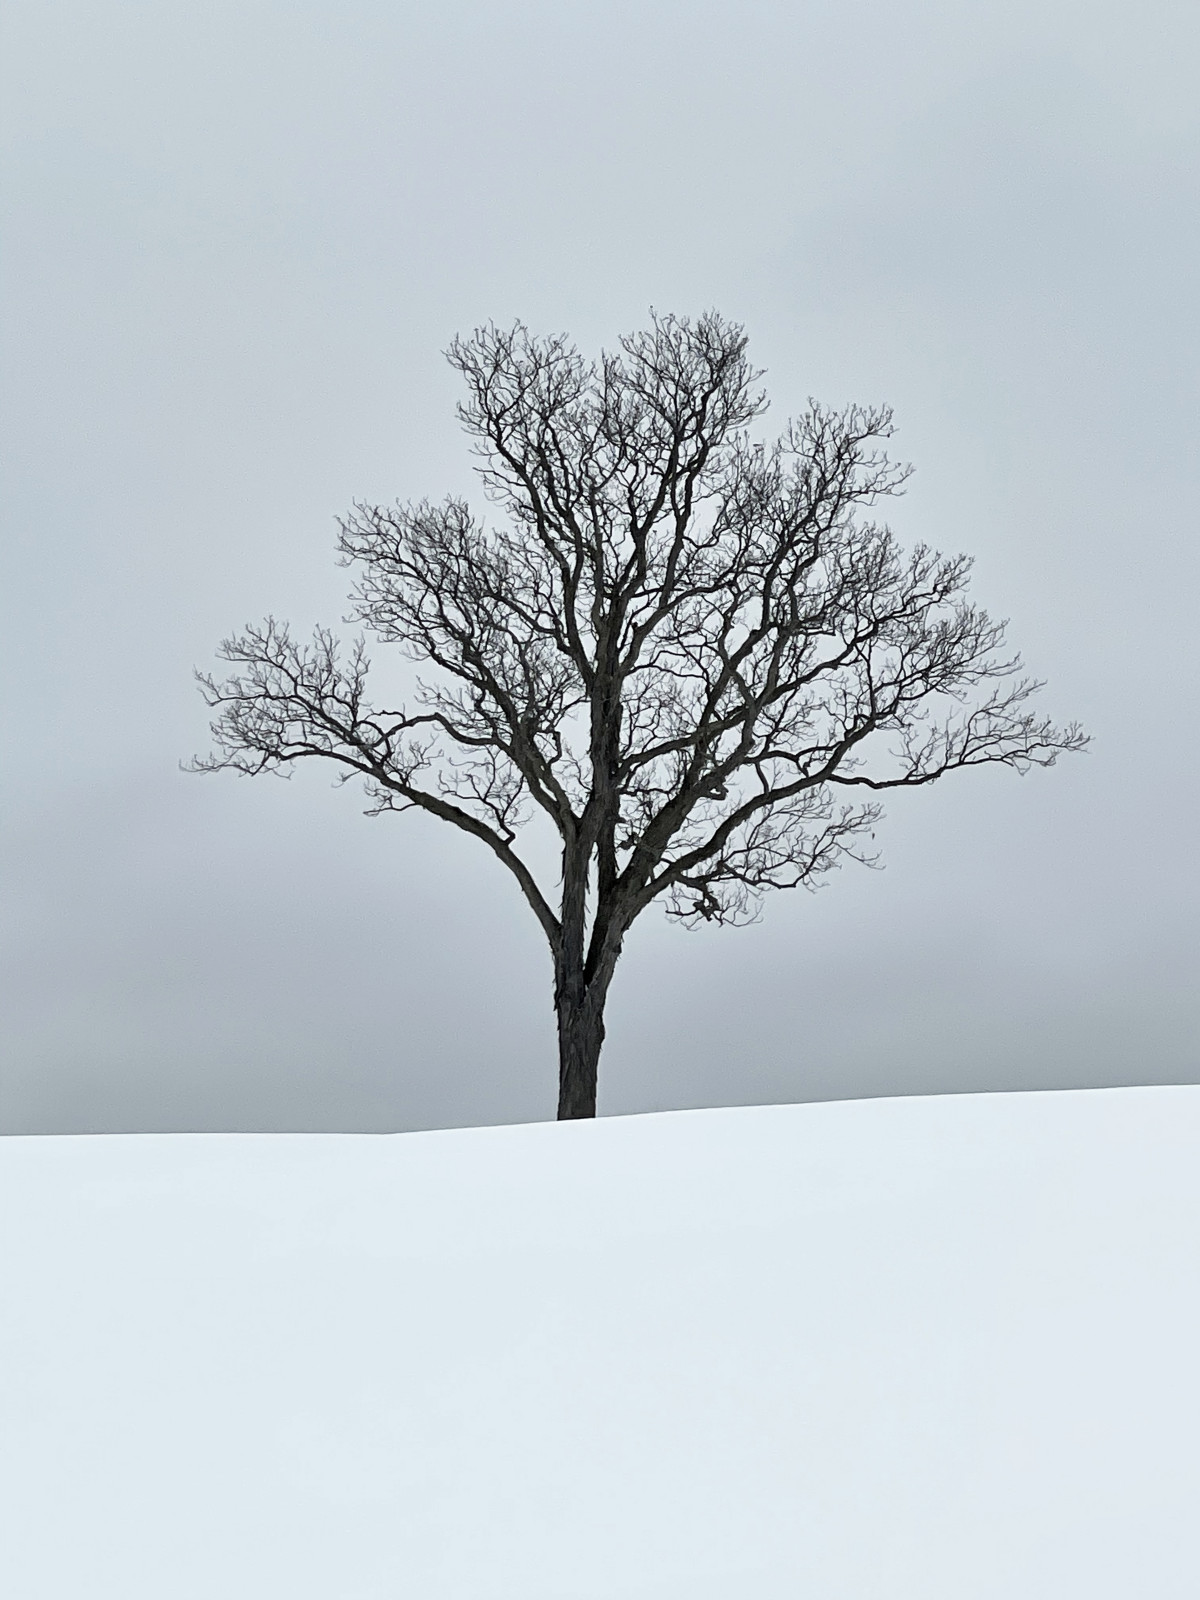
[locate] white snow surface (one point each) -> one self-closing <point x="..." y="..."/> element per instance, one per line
<point x="909" y="1349"/>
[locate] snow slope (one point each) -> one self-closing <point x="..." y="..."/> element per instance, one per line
<point x="939" y="1349"/>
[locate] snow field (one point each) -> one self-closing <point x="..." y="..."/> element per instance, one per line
<point x="910" y="1349"/>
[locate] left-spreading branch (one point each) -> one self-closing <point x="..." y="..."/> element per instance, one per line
<point x="287" y="701"/>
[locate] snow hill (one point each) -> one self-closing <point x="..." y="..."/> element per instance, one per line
<point x="934" y="1349"/>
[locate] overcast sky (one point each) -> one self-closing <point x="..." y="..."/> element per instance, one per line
<point x="239" y="236"/>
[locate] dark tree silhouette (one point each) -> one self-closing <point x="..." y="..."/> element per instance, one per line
<point x="691" y="651"/>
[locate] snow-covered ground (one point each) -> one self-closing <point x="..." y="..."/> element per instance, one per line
<point x="939" y="1349"/>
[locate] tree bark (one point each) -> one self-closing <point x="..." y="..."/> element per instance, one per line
<point x="580" y="1037"/>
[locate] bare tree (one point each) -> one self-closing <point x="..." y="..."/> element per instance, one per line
<point x="692" y="652"/>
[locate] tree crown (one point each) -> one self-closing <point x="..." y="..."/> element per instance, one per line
<point x="697" y="655"/>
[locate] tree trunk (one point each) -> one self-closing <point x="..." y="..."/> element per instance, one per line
<point x="580" y="1036"/>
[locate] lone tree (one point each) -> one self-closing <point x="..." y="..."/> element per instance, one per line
<point x="691" y="651"/>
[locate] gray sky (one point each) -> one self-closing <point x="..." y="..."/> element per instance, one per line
<point x="239" y="237"/>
